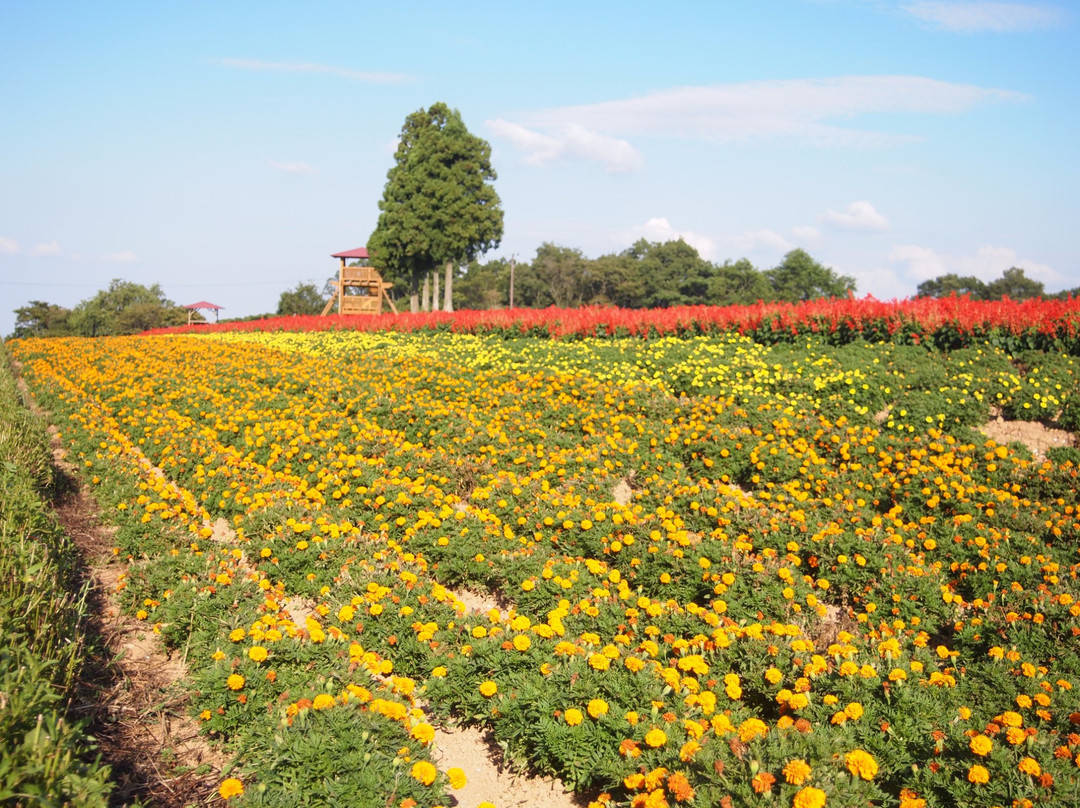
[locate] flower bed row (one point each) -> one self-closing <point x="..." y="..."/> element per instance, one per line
<point x="791" y="600"/>
<point x="945" y="323"/>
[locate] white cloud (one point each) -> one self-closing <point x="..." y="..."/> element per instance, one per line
<point x="858" y="216"/>
<point x="294" y="168"/>
<point x="8" y="246"/>
<point x="806" y="232"/>
<point x="986" y="263"/>
<point x="758" y="240"/>
<point x="375" y="77"/>
<point x="985" y="16"/>
<point x="122" y="257"/>
<point x="811" y="111"/>
<point x="660" y="229"/>
<point x="39" y="250"/>
<point x="569" y="140"/>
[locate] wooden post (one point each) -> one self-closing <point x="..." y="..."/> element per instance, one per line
<point x="512" y="262"/>
<point x="341" y="286"/>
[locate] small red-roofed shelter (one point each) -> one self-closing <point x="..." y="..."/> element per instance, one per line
<point x="360" y="289"/>
<point x="202" y="304"/>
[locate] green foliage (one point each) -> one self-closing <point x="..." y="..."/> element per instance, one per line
<point x="43" y="753"/>
<point x="125" y="308"/>
<point x="438" y="204"/>
<point x="40" y="319"/>
<point x="1013" y="284"/>
<point x="800" y="277"/>
<point x="304" y="299"/>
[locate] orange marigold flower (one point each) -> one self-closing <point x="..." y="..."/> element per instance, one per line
<point x="629" y="748"/>
<point x="763" y="782"/>
<point x="797" y="771"/>
<point x="751" y="728"/>
<point x="861" y="764"/>
<point x="809" y="797"/>
<point x="680" y="787"/>
<point x="1030" y="765"/>
<point x="978" y="774"/>
<point x="231" y="788"/>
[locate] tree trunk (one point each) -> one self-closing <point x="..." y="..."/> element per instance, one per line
<point x="434" y="291"/>
<point x="448" y="304"/>
<point x="425" y="294"/>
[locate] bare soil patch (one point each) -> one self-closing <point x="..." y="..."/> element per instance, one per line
<point x="488" y="779"/>
<point x="1034" y="435"/>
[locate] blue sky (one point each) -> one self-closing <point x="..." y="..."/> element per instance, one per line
<point x="225" y="150"/>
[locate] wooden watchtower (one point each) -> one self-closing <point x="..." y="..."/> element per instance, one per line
<point x="360" y="290"/>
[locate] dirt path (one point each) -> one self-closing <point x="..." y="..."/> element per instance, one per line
<point x="129" y="687"/>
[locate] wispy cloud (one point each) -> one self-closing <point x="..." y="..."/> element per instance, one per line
<point x="858" y="216"/>
<point x="294" y="168"/>
<point x="810" y="111"/>
<point x="976" y="16"/>
<point x="987" y="263"/>
<point x="39" y="250"/>
<point x="755" y="241"/>
<point x="367" y="77"/>
<point x="8" y="246"/>
<point x="806" y="232"/>
<point x="122" y="257"/>
<point x="572" y="141"/>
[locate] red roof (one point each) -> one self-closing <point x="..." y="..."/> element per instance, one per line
<point x="202" y="304"/>
<point x="359" y="252"/>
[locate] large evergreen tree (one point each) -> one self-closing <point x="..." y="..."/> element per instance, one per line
<point x="438" y="205"/>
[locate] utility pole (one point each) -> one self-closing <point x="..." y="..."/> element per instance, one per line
<point x="512" y="264"/>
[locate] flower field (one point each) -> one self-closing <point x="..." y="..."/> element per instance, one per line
<point x="729" y="572"/>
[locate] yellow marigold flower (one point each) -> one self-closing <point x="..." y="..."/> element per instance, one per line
<point x="796" y="772"/>
<point x="439" y="672"/>
<point x="522" y="642"/>
<point x="323" y="701"/>
<point x="237" y="634"/>
<point x="231" y="788"/>
<point x="1030" y="765"/>
<point x="597" y="708"/>
<point x="854" y="711"/>
<point x="981" y="745"/>
<point x="257" y="653"/>
<point x="573" y="716"/>
<point x="809" y="797"/>
<point x="488" y="688"/>
<point x="457" y="777"/>
<point x="425" y="733"/>
<point x="689" y="749"/>
<point x="773" y="676"/>
<point x="655" y="738"/>
<point x="861" y="764"/>
<point x="978" y="774"/>
<point x="235" y="681"/>
<point x="751" y="728"/>
<point x="424" y="772"/>
<point x="599" y="662"/>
